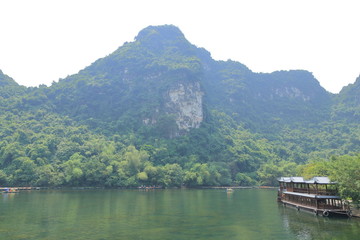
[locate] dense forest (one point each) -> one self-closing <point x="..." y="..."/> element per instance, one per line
<point x="160" y="111"/>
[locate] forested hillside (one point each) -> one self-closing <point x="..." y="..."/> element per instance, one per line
<point x="160" y="111"/>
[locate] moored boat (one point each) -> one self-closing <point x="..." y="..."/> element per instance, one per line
<point x="10" y="190"/>
<point x="318" y="195"/>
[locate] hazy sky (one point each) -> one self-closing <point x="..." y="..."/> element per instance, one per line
<point x="42" y="40"/>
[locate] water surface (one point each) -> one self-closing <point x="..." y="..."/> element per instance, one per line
<point x="162" y="214"/>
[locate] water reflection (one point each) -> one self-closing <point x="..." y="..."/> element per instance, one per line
<point x="306" y="225"/>
<point x="161" y="214"/>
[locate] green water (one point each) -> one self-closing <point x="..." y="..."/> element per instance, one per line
<point x="162" y="214"/>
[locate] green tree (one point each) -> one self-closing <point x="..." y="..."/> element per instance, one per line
<point x="270" y="172"/>
<point x="3" y="178"/>
<point x="172" y="175"/>
<point x="25" y="171"/>
<point x="73" y="170"/>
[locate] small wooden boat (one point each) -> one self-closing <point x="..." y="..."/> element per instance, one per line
<point x="10" y="190"/>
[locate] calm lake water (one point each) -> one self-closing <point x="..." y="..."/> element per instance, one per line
<point x="162" y="214"/>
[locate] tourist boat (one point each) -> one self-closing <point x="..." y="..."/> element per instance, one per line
<point x="229" y="190"/>
<point x="318" y="195"/>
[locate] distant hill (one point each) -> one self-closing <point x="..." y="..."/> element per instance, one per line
<point x="160" y="110"/>
<point x="347" y="106"/>
<point x="5" y="80"/>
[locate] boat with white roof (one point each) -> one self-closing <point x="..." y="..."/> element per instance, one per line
<point x="318" y="195"/>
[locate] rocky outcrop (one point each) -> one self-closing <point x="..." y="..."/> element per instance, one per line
<point x="185" y="103"/>
<point x="291" y="93"/>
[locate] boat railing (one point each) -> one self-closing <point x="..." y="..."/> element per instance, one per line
<point x="327" y="206"/>
<point x="300" y="190"/>
<point x="328" y="192"/>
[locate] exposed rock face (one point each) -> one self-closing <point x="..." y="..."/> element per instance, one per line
<point x="291" y="92"/>
<point x="185" y="102"/>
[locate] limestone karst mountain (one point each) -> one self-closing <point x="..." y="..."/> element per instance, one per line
<point x="162" y="81"/>
<point x="160" y="110"/>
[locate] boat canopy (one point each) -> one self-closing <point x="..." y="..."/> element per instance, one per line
<point x="320" y="180"/>
<point x="292" y="179"/>
<point x="312" y="195"/>
<point x="314" y="180"/>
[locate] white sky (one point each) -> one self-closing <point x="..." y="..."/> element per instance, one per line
<point x="42" y="40"/>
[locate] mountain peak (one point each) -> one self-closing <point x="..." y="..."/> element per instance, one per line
<point x="160" y="33"/>
<point x="159" y="38"/>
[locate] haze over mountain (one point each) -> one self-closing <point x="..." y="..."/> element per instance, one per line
<point x="160" y="110"/>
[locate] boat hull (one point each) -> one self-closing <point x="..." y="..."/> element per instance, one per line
<point x="318" y="211"/>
